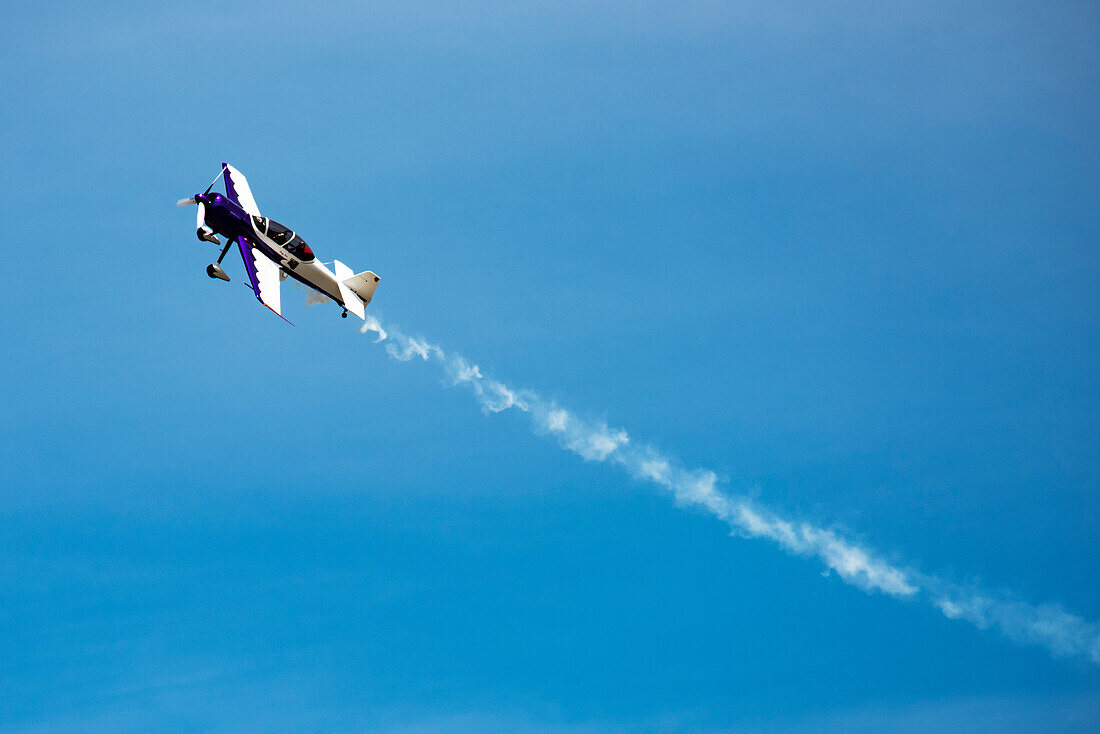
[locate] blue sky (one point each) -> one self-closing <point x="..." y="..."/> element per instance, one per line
<point x="843" y="257"/>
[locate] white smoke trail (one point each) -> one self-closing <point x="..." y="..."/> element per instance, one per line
<point x="313" y="298"/>
<point x="1062" y="633"/>
<point x="370" y="323"/>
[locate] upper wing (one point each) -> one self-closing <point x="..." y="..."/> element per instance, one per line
<point x="264" y="275"/>
<point x="236" y="185"/>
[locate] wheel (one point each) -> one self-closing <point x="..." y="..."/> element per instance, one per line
<point x="344" y="315"/>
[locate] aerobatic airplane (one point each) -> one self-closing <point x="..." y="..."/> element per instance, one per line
<point x="271" y="252"/>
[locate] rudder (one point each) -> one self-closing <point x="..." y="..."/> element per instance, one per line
<point x="363" y="285"/>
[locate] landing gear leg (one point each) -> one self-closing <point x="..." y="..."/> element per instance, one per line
<point x="224" y="250"/>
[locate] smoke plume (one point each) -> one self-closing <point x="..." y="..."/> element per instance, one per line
<point x="1062" y="633"/>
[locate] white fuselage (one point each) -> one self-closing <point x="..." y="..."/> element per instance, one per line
<point x="311" y="272"/>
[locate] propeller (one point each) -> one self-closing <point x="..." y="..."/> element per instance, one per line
<point x="192" y="200"/>
<point x="203" y="232"/>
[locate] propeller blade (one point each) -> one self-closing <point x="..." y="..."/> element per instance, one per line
<point x="200" y="219"/>
<point x="186" y="202"/>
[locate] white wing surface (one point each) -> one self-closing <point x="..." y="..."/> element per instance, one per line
<point x="236" y="186"/>
<point x="264" y="275"/>
<point x="267" y="275"/>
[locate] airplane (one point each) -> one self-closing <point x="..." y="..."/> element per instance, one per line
<point x="271" y="251"/>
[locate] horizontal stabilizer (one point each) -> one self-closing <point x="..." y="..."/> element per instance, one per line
<point x="347" y="295"/>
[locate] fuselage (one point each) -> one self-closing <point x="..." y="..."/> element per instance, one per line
<point x="276" y="242"/>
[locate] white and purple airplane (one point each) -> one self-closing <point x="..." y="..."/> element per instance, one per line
<point x="272" y="252"/>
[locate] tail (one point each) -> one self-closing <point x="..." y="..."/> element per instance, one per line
<point x="363" y="285"/>
<point x="355" y="290"/>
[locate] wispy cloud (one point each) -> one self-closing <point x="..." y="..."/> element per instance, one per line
<point x="1062" y="633"/>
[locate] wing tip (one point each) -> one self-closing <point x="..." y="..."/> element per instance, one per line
<point x="284" y="318"/>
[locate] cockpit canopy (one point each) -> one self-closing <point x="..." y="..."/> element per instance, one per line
<point x="301" y="250"/>
<point x="284" y="237"/>
<point x="277" y="233"/>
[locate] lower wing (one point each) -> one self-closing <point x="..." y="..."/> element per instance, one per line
<point x="264" y="275"/>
